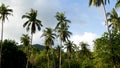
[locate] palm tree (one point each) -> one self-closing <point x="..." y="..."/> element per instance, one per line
<point x="4" y="12"/>
<point x="98" y="3"/>
<point x="115" y="23"/>
<point x="25" y="40"/>
<point x="114" y="19"/>
<point x="84" y="50"/>
<point x="69" y="46"/>
<point x="49" y="40"/>
<point x="32" y="22"/>
<point x="76" y="51"/>
<point x="62" y="29"/>
<point x="61" y="19"/>
<point x="117" y="5"/>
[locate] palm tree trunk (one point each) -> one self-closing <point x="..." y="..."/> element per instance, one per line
<point x="31" y="38"/>
<point x="29" y="51"/>
<point x="108" y="31"/>
<point x="60" y="53"/>
<point x="28" y="57"/>
<point x="27" y="62"/>
<point x="1" y="45"/>
<point x="114" y="65"/>
<point x="2" y="31"/>
<point x="48" y="58"/>
<point x="53" y="59"/>
<point x="69" y="60"/>
<point x="106" y="21"/>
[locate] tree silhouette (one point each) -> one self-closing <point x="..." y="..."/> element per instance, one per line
<point x="49" y="40"/>
<point x="62" y="30"/>
<point x="4" y="12"/>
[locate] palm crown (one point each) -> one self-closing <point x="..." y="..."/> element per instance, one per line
<point x="25" y="40"/>
<point x="4" y="12"/>
<point x="32" y="21"/>
<point x="114" y="19"/>
<point x="49" y="37"/>
<point x="98" y="3"/>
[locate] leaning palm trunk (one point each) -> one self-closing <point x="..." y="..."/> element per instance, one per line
<point x="60" y="53"/>
<point x="1" y="45"/>
<point x="114" y="65"/>
<point x="106" y="21"/>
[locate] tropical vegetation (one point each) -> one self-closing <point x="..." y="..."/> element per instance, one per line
<point x="62" y="53"/>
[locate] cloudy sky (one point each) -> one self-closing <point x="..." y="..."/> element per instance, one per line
<point x="87" y="22"/>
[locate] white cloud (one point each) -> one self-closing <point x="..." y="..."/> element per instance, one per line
<point x="87" y="37"/>
<point x="13" y="29"/>
<point x="46" y="13"/>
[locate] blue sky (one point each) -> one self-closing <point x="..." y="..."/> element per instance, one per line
<point x="87" y="22"/>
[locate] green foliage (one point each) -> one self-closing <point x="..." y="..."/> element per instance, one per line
<point x="12" y="56"/>
<point x="107" y="52"/>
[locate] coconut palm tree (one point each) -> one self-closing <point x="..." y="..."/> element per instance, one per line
<point x="98" y="3"/>
<point x="61" y="19"/>
<point x="4" y="12"/>
<point x="70" y="49"/>
<point x="25" y="40"/>
<point x="62" y="30"/>
<point x="32" y="22"/>
<point x="49" y="40"/>
<point x="84" y="50"/>
<point x="114" y="19"/>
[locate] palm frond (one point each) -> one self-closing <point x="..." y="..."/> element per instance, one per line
<point x="25" y="23"/>
<point x="108" y="14"/>
<point x="38" y="26"/>
<point x="25" y="16"/>
<point x="117" y="4"/>
<point x="28" y="27"/>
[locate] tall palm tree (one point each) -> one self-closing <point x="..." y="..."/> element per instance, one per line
<point x="114" y="19"/>
<point x="32" y="22"/>
<point x="69" y="46"/>
<point x="49" y="40"/>
<point x="62" y="29"/>
<point x="98" y="3"/>
<point x="4" y="12"/>
<point x="25" y="40"/>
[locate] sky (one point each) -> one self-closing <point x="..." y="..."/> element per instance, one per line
<point x="87" y="23"/>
